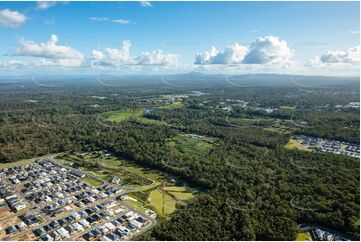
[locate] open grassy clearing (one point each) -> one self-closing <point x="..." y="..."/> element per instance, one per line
<point x="137" y="205"/>
<point x="92" y="181"/>
<point x="16" y="163"/>
<point x="173" y="105"/>
<point x="122" y="115"/>
<point x="302" y="236"/>
<point x="191" y="145"/>
<point x="162" y="202"/>
<point x="295" y="145"/>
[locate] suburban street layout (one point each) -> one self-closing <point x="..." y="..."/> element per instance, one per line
<point x="46" y="200"/>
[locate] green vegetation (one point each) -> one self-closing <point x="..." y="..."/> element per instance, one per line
<point x="302" y="236"/>
<point x="123" y="115"/>
<point x="16" y="163"/>
<point x="236" y="164"/>
<point x="162" y="202"/>
<point x="92" y="181"/>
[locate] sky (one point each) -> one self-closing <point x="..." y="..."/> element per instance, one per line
<point x="307" y="38"/>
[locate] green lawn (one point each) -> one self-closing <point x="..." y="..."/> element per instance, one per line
<point x="162" y="203"/>
<point x="123" y="115"/>
<point x="137" y="205"/>
<point x="92" y="181"/>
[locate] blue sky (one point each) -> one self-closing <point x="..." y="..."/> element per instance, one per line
<point x="249" y="37"/>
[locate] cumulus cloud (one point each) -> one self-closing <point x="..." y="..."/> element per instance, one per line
<point x="49" y="49"/>
<point x="145" y="4"/>
<point x="121" y="56"/>
<point x="268" y="49"/>
<point x="351" y="56"/>
<point x="121" y="21"/>
<point x="11" y="19"/>
<point x="232" y="54"/>
<point x="264" y="50"/>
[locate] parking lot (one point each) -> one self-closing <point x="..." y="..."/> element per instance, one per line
<point x="46" y="200"/>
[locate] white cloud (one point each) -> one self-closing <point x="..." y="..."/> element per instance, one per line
<point x="264" y="50"/>
<point x="43" y="5"/>
<point x="268" y="49"/>
<point x="121" y="21"/>
<point x="11" y="19"/>
<point x="100" y="19"/>
<point x="49" y="49"/>
<point x="351" y="56"/>
<point x="156" y="58"/>
<point x="232" y="54"/>
<point x="145" y="4"/>
<point x="121" y="56"/>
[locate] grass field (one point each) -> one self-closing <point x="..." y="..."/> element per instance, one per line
<point x="138" y="206"/>
<point x="92" y="181"/>
<point x="295" y="145"/>
<point x="188" y="145"/>
<point x="302" y="236"/>
<point x="123" y="115"/>
<point x="173" y="105"/>
<point x="16" y="163"/>
<point x="162" y="203"/>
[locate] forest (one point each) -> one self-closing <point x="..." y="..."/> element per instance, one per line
<point x="254" y="188"/>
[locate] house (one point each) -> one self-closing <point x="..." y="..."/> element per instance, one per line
<point x="84" y="223"/>
<point x="77" y="173"/>
<point x="110" y="226"/>
<point x="55" y="224"/>
<point x="39" y="232"/>
<point x="113" y="236"/>
<point x="63" y="233"/>
<point x="104" y="238"/>
<point x="55" y="235"/>
<point x="11" y="230"/>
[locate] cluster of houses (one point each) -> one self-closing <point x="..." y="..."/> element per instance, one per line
<point x="117" y="229"/>
<point x="350" y="105"/>
<point x="9" y="197"/>
<point x="329" y="146"/>
<point x="105" y="221"/>
<point x="27" y="221"/>
<point x="63" y="206"/>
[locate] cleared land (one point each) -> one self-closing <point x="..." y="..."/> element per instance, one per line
<point x="17" y="163"/>
<point x="123" y="115"/>
<point x="92" y="181"/>
<point x="162" y="202"/>
<point x="302" y="236"/>
<point x="295" y="145"/>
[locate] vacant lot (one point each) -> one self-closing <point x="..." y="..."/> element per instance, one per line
<point x="92" y="181"/>
<point x="123" y="115"/>
<point x="192" y="144"/>
<point x="17" y="163"/>
<point x="162" y="202"/>
<point x="294" y="144"/>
